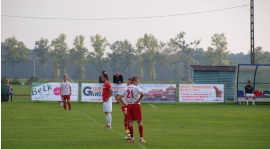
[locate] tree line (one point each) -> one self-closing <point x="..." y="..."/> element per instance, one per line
<point x="149" y="59"/>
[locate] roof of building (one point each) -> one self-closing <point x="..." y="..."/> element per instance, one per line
<point x="213" y="68"/>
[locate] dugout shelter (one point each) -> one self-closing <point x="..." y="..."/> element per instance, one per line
<point x="259" y="75"/>
<point x="203" y="74"/>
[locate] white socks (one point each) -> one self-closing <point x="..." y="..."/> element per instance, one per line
<point x="109" y="119"/>
<point x="247" y="102"/>
<point x="253" y="102"/>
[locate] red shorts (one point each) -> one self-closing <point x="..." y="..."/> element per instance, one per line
<point x="65" y="97"/>
<point x="124" y="109"/>
<point x="134" y="112"/>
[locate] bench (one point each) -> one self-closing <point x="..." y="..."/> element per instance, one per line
<point x="260" y="96"/>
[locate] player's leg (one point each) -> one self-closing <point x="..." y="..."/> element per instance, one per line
<point x="246" y="99"/>
<point x="130" y="120"/>
<point x="64" y="101"/>
<point x="254" y="98"/>
<point x="141" y="131"/>
<point x="138" y="118"/>
<point x="124" y="109"/>
<point x="69" y="103"/>
<point x="108" y="110"/>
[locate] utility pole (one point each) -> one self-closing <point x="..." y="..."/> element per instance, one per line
<point x="252" y="60"/>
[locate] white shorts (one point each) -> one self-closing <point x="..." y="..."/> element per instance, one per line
<point x="250" y="95"/>
<point x="107" y="106"/>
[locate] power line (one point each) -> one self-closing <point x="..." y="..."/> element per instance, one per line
<point x="131" y="18"/>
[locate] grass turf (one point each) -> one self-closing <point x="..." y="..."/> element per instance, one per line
<point x="47" y="125"/>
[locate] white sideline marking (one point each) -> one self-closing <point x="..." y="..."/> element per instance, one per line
<point x="139" y="144"/>
<point x="152" y="106"/>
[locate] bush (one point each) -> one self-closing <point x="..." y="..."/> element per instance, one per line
<point x="3" y="80"/>
<point x="15" y="80"/>
<point x="33" y="79"/>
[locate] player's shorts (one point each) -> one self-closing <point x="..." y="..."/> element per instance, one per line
<point x="107" y="106"/>
<point x="134" y="112"/>
<point x="65" y="97"/>
<point x="250" y="95"/>
<point x="124" y="109"/>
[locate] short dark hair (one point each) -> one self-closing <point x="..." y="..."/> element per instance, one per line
<point x="249" y="81"/>
<point x="129" y="79"/>
<point x="103" y="71"/>
<point x="134" y="79"/>
<point x="105" y="76"/>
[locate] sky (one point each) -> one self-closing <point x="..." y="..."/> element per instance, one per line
<point x="234" y="23"/>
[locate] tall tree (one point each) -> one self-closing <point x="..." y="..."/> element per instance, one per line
<point x="149" y="44"/>
<point x="219" y="43"/>
<point x="41" y="49"/>
<point x="261" y="57"/>
<point x="59" y="53"/>
<point x="97" y="57"/>
<point x="122" y="56"/>
<point x="79" y="53"/>
<point x="13" y="52"/>
<point x="187" y="50"/>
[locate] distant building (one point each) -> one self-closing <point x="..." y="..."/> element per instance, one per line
<point x="160" y="95"/>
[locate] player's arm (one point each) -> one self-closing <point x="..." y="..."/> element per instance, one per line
<point x="70" y="90"/>
<point x="140" y="98"/>
<point x="117" y="96"/>
<point x="121" y="101"/>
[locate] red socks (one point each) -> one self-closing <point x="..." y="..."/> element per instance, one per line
<point x="64" y="104"/>
<point x="131" y="131"/>
<point x="69" y="105"/>
<point x="141" y="130"/>
<point x="126" y="123"/>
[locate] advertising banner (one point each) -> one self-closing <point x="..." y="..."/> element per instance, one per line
<point x="92" y="92"/>
<point x="201" y="92"/>
<point x="51" y="91"/>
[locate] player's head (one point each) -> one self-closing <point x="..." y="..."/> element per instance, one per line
<point x="128" y="81"/>
<point x="104" y="72"/>
<point x="117" y="74"/>
<point x="7" y="81"/>
<point x="65" y="78"/>
<point x="104" y="77"/>
<point x="135" y="81"/>
<point x="248" y="82"/>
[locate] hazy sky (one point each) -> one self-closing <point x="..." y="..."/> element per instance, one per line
<point x="234" y="23"/>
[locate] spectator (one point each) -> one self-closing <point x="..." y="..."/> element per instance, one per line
<point x="103" y="72"/>
<point x="249" y="92"/>
<point x="117" y="78"/>
<point x="8" y="87"/>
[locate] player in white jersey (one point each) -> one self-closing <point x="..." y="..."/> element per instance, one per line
<point x="132" y="95"/>
<point x="124" y="110"/>
<point x="65" y="92"/>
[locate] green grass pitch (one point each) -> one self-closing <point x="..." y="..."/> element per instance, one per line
<point x="46" y="125"/>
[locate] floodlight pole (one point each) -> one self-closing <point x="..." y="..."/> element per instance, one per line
<point x="252" y="60"/>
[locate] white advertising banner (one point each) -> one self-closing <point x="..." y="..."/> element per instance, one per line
<point x="92" y="92"/>
<point x="51" y="91"/>
<point x="201" y="92"/>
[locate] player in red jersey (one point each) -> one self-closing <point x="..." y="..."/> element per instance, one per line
<point x="65" y="92"/>
<point x="132" y="95"/>
<point x="124" y="109"/>
<point x="107" y="100"/>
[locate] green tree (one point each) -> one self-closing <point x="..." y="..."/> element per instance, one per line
<point x="187" y="49"/>
<point x="210" y="57"/>
<point x="59" y="55"/>
<point x="219" y="43"/>
<point x="122" y="56"/>
<point x="13" y="52"/>
<point x="261" y="57"/>
<point x="41" y="50"/>
<point x="149" y="44"/>
<point x="79" y="53"/>
<point x="97" y="57"/>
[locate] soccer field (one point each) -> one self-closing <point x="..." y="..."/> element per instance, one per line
<point x="46" y="125"/>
